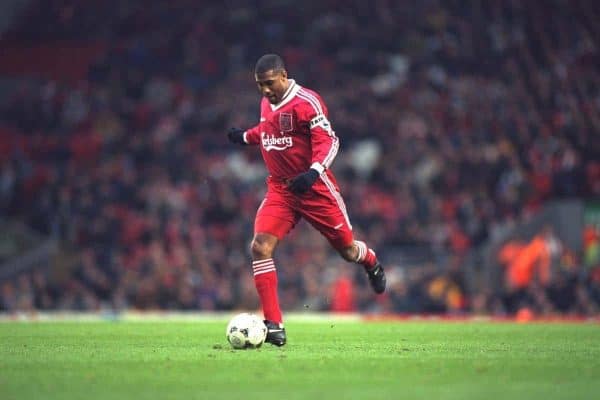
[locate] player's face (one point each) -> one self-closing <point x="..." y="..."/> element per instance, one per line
<point x="272" y="85"/>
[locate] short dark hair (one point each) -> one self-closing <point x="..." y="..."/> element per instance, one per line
<point x="269" y="62"/>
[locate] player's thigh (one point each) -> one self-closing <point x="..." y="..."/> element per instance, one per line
<point x="275" y="216"/>
<point x="325" y="210"/>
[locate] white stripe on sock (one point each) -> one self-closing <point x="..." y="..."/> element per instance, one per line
<point x="261" y="262"/>
<point x="265" y="267"/>
<point x="263" y="271"/>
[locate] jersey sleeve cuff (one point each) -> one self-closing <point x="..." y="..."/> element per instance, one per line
<point x="244" y="137"/>
<point x="318" y="167"/>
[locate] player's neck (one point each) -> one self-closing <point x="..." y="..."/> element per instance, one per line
<point x="288" y="87"/>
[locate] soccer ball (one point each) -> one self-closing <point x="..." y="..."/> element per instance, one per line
<point x="246" y="331"/>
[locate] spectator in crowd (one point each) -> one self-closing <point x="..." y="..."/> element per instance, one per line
<point x="478" y="114"/>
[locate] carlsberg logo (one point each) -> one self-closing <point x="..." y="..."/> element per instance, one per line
<point x="276" y="143"/>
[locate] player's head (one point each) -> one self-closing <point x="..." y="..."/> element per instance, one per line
<point x="271" y="77"/>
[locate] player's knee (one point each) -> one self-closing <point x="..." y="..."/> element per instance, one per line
<point x="348" y="253"/>
<point x="261" y="248"/>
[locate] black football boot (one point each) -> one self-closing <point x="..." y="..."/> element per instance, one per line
<point x="275" y="333"/>
<point x="377" y="278"/>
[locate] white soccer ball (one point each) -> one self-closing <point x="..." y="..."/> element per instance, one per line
<point x="246" y="331"/>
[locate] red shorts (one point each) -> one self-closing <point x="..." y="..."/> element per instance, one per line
<point x="322" y="207"/>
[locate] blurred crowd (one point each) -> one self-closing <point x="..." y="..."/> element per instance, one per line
<point x="454" y="118"/>
<point x="544" y="276"/>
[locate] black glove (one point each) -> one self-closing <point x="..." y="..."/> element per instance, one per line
<point x="236" y="135"/>
<point x="303" y="182"/>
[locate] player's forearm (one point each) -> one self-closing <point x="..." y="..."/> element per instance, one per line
<point x="317" y="166"/>
<point x="252" y="135"/>
<point x="324" y="152"/>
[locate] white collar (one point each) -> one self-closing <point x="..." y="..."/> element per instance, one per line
<point x="289" y="94"/>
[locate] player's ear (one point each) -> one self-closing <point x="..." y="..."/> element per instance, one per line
<point x="283" y="74"/>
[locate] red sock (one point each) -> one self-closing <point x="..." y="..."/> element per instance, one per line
<point x="265" y="280"/>
<point x="366" y="256"/>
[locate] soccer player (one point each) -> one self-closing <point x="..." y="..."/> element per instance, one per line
<point x="298" y="146"/>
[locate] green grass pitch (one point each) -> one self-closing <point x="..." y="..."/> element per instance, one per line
<point x="328" y="360"/>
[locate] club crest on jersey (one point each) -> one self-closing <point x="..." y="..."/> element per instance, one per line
<point x="272" y="142"/>
<point x="285" y="122"/>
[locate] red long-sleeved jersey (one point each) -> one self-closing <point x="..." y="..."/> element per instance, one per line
<point x="294" y="134"/>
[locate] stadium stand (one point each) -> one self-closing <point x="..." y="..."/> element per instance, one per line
<point x="457" y="122"/>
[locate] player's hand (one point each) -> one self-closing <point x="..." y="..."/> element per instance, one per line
<point x="236" y="135"/>
<point x="303" y="182"/>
